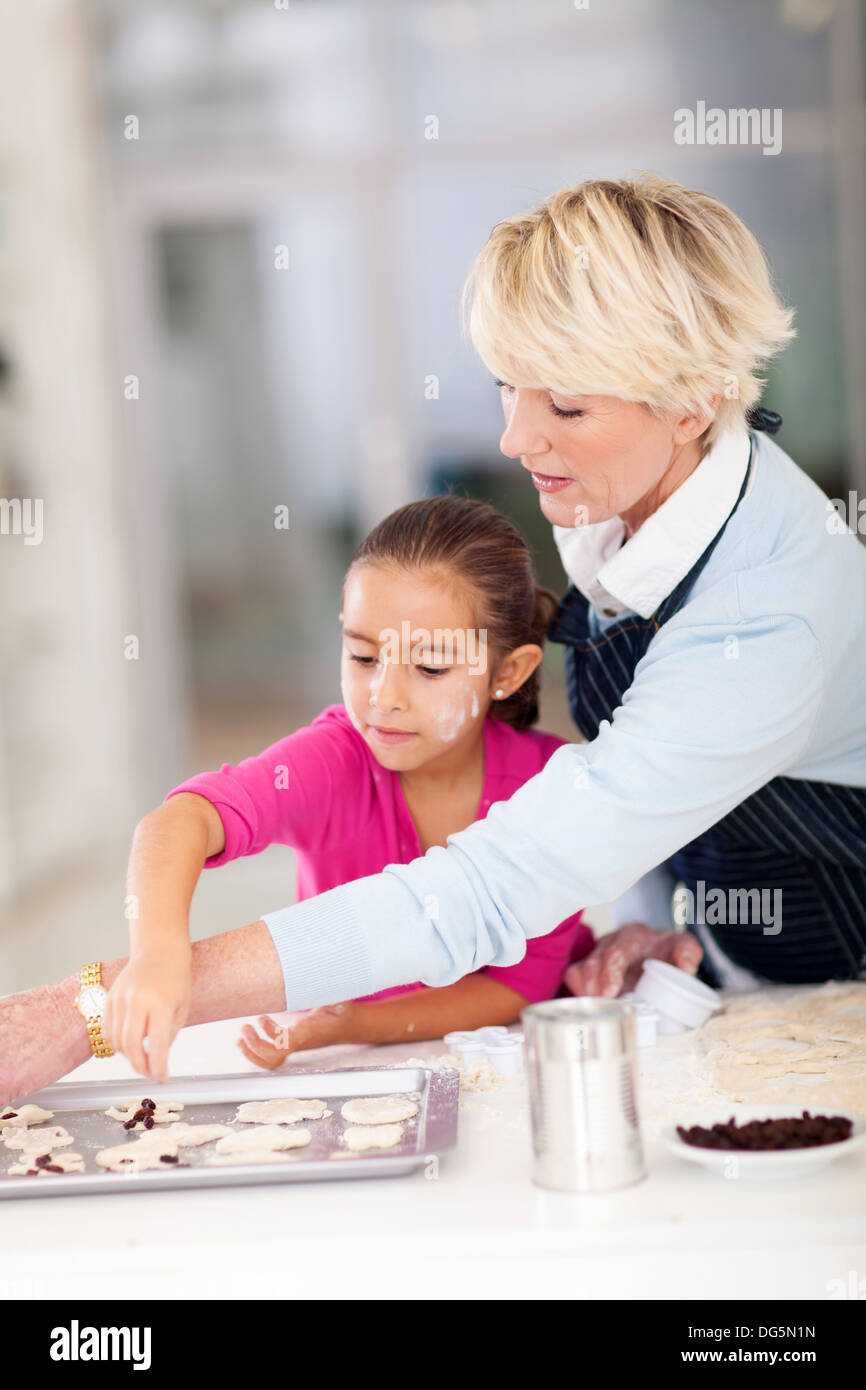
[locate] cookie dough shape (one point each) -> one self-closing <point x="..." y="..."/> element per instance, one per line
<point x="38" y="1141"/>
<point x="270" y="1137"/>
<point x="163" y="1114"/>
<point x="380" y="1136"/>
<point x="19" y="1117"/>
<point x="69" y="1163"/>
<point x="191" y="1136"/>
<point x="281" y="1112"/>
<point x="141" y="1154"/>
<point x="379" y="1110"/>
<point x="251" y="1156"/>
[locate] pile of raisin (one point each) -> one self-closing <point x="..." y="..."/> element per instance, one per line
<point x="791" y="1133"/>
<point x="145" y="1114"/>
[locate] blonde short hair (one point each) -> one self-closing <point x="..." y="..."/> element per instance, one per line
<point x="636" y="288"/>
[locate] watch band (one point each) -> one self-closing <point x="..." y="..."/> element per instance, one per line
<point x="92" y="975"/>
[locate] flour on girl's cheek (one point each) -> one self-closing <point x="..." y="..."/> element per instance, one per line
<point x="449" y="721"/>
<point x="452" y="714"/>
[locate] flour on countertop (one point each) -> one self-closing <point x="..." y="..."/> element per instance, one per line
<point x="478" y="1075"/>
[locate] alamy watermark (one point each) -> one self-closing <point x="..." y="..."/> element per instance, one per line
<point x="77" y="1343"/>
<point x="440" y="646"/>
<point x="846" y="514"/>
<point x="737" y="126"/>
<point x="22" y="516"/>
<point x="719" y="907"/>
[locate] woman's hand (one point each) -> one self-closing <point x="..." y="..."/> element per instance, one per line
<point x="615" y="964"/>
<point x="42" y="1037"/>
<point x="150" y="998"/>
<point x="318" y="1028"/>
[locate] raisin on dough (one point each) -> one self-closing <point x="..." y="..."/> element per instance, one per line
<point x="141" y="1154"/>
<point x="163" y="1113"/>
<point x="19" y="1117"/>
<point x="67" y="1163"/>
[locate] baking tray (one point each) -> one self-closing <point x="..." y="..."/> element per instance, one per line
<point x="214" y="1099"/>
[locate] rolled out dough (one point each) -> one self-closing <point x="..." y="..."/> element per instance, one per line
<point x="379" y="1110"/>
<point x="807" y="1048"/>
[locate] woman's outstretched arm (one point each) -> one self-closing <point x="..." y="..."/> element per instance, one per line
<point x="43" y="1036"/>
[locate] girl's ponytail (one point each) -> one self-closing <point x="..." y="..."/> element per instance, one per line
<point x="521" y="709"/>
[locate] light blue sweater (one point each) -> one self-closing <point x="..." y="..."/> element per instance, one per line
<point x="706" y="722"/>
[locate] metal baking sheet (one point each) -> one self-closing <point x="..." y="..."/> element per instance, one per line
<point x="214" y="1099"/>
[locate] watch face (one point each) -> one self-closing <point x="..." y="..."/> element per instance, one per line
<point x="92" y="999"/>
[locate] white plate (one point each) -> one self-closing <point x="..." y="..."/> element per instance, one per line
<point x="771" y="1163"/>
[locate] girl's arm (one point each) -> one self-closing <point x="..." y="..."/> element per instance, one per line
<point x="285" y="795"/>
<point x="151" y="993"/>
<point x="473" y="1002"/>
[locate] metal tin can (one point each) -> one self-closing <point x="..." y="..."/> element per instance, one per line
<point x="581" y="1059"/>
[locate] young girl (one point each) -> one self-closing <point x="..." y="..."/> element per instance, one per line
<point x="442" y="632"/>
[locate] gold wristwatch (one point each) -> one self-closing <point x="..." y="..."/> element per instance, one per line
<point x="90" y="1003"/>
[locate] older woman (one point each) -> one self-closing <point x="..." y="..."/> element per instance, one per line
<point x="715" y="640"/>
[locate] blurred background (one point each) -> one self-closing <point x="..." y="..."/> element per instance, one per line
<point x="233" y="236"/>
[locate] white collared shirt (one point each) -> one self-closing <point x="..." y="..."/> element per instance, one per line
<point x="637" y="576"/>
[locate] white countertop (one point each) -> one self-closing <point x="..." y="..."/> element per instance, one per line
<point x="480" y="1229"/>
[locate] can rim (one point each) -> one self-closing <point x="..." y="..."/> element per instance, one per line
<point x="580" y="1008"/>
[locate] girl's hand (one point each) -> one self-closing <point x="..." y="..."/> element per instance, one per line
<point x="615" y="964"/>
<point x="150" y="998"/>
<point x="318" y="1028"/>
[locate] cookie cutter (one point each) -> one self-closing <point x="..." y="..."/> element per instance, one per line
<point x="647" y="1019"/>
<point x="503" y="1050"/>
<point x="681" y="1001"/>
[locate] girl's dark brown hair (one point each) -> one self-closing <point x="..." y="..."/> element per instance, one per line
<point x="487" y="553"/>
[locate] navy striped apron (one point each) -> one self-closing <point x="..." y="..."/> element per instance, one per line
<point x="780" y="881"/>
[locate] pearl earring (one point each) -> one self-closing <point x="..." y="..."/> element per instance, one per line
<point x="499" y="694"/>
